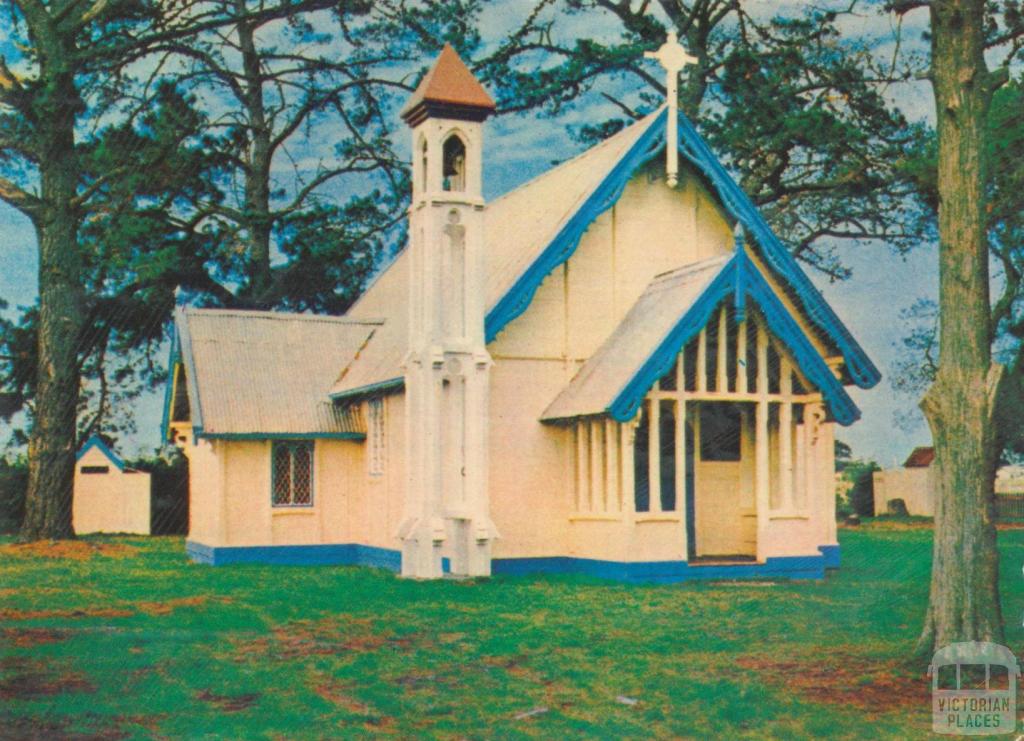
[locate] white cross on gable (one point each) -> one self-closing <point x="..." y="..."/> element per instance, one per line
<point x="673" y="58"/>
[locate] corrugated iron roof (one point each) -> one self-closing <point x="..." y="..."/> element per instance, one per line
<point x="266" y="373"/>
<point x="672" y="310"/>
<point x="379" y="360"/>
<point x="640" y="333"/>
<point x="518" y="226"/>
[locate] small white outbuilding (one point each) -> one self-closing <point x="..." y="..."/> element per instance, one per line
<point x="108" y="496"/>
<point x="914" y="483"/>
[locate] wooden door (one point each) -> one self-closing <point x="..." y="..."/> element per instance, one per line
<point x="720" y="527"/>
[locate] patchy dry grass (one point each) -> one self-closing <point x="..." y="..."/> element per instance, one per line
<point x="27" y="678"/>
<point x="29" y="637"/>
<point x="75" y="550"/>
<point x="166" y="607"/>
<point x="229" y="703"/>
<point x="845" y="678"/>
<point x="112" y="638"/>
<point x="89" y="612"/>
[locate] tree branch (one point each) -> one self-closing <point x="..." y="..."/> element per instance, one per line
<point x="22" y="200"/>
<point x="902" y="7"/>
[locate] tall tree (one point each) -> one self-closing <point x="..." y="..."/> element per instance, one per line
<point x="40" y="132"/>
<point x="914" y="369"/>
<point x="978" y="217"/>
<point x="275" y="234"/>
<point x="129" y="245"/>
<point x="960" y="405"/>
<point x="71" y="57"/>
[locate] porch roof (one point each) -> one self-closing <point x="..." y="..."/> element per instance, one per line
<point x="645" y="326"/>
<point x="672" y="310"/>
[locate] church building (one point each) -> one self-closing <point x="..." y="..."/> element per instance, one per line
<point x="615" y="369"/>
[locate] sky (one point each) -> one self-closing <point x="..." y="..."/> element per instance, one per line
<point x="518" y="148"/>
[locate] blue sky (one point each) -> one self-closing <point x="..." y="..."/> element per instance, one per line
<point x="518" y="148"/>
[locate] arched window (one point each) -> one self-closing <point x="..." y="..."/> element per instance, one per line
<point x="453" y="175"/>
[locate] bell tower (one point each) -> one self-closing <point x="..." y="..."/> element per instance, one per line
<point x="447" y="512"/>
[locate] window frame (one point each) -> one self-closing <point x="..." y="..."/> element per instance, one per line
<point x="292" y="445"/>
<point x="712" y="448"/>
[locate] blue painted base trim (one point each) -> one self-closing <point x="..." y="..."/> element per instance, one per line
<point x="831" y="554"/>
<point x="348" y="554"/>
<point x="353" y="554"/>
<point x="790" y="567"/>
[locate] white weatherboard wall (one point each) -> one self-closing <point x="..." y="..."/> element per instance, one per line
<point x="650" y="230"/>
<point x="112" y="501"/>
<point x="230" y="492"/>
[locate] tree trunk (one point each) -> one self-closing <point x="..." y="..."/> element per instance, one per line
<point x="52" y="443"/>
<point x="964" y="600"/>
<point x="258" y="221"/>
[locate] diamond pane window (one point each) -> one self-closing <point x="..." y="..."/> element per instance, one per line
<point x="282" y="474"/>
<point x="293" y="474"/>
<point x="302" y="479"/>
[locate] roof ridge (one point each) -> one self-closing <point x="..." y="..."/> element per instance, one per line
<point x="281" y="315"/>
<point x="355" y="357"/>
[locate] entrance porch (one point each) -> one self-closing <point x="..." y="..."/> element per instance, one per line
<point x="725" y="471"/>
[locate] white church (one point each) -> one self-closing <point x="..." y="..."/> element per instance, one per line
<point x="615" y="369"/>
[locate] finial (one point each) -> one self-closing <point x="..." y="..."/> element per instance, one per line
<point x="179" y="296"/>
<point x="739" y="236"/>
<point x="740" y="291"/>
<point x="673" y="58"/>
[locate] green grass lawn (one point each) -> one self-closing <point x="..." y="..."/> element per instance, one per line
<point x="122" y="638"/>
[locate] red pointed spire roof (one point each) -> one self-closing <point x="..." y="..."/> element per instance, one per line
<point x="448" y="90"/>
